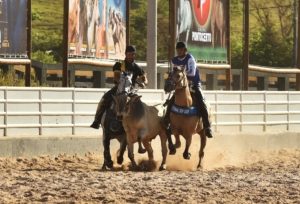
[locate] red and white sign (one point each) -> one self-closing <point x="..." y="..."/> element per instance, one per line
<point x="202" y="10"/>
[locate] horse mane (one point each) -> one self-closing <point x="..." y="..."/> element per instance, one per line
<point x="124" y="83"/>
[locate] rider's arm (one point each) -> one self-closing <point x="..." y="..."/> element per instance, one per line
<point x="191" y="67"/>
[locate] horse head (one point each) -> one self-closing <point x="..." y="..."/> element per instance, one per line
<point x="169" y="84"/>
<point x="179" y="77"/>
<point x="176" y="79"/>
<point x="120" y="100"/>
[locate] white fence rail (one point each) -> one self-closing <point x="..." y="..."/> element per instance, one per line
<point x="70" y="111"/>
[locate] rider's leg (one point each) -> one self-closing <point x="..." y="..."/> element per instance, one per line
<point x="168" y="111"/>
<point x="172" y="148"/>
<point x="104" y="103"/>
<point x="203" y="112"/>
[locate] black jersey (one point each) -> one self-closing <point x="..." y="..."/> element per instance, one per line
<point x="133" y="68"/>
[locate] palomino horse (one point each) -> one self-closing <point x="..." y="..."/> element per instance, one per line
<point x="112" y="127"/>
<point x="183" y="117"/>
<point x="142" y="123"/>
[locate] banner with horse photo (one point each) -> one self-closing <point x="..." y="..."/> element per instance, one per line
<point x="13" y="33"/>
<point x="202" y="25"/>
<point x="97" y="28"/>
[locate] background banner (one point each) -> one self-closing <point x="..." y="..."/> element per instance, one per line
<point x="13" y="22"/>
<point x="97" y="28"/>
<point x="202" y="25"/>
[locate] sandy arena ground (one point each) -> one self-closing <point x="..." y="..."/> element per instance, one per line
<point x="229" y="176"/>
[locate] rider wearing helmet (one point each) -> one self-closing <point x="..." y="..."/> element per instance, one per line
<point x="128" y="66"/>
<point x="186" y="60"/>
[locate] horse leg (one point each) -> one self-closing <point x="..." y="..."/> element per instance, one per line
<point x="186" y="154"/>
<point x="164" y="152"/>
<point x="122" y="149"/>
<point x="131" y="154"/>
<point x="141" y="150"/>
<point x="201" y="151"/>
<point x="107" y="157"/>
<point x="149" y="149"/>
<point x="172" y="148"/>
<point x="178" y="142"/>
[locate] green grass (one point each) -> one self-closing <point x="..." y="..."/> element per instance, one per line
<point x="47" y="30"/>
<point x="47" y="16"/>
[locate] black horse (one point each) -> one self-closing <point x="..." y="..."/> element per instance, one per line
<point x="112" y="129"/>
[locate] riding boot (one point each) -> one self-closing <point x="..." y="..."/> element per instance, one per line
<point x="203" y="113"/>
<point x="104" y="104"/>
<point x="99" y="113"/>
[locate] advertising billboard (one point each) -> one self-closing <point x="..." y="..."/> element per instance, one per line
<point x="13" y="33"/>
<point x="202" y="25"/>
<point x="97" y="28"/>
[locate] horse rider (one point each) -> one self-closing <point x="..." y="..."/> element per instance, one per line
<point x="129" y="66"/>
<point x="186" y="60"/>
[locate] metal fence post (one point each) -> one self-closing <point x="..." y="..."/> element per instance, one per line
<point x="265" y="111"/>
<point x="241" y="110"/>
<point x="73" y="111"/>
<point x="5" y="112"/>
<point x="288" y="113"/>
<point x="41" y="112"/>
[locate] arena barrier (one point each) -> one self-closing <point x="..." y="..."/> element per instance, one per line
<point x="69" y="111"/>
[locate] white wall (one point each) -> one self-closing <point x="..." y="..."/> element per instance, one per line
<point x="70" y="111"/>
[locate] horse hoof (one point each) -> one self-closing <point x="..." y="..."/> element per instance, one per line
<point x="103" y="167"/>
<point x="163" y="167"/>
<point x="109" y="164"/>
<point x="186" y="155"/>
<point x="142" y="151"/>
<point x="199" y="167"/>
<point x="135" y="168"/>
<point x="172" y="151"/>
<point x="120" y="160"/>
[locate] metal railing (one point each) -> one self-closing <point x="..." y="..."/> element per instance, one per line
<point x="263" y="110"/>
<point x="70" y="111"/>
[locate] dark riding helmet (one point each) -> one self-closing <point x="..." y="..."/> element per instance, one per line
<point x="180" y="45"/>
<point x="130" y="48"/>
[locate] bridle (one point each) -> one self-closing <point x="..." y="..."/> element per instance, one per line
<point x="181" y="82"/>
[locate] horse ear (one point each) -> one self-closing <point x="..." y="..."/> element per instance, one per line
<point x="128" y="99"/>
<point x="136" y="98"/>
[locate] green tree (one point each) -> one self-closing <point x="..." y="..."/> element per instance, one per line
<point x="138" y="28"/>
<point x="267" y="48"/>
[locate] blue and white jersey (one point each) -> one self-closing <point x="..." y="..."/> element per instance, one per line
<point x="189" y="63"/>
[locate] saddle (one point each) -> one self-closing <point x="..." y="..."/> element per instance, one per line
<point x="187" y="111"/>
